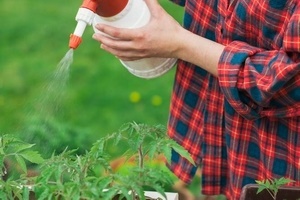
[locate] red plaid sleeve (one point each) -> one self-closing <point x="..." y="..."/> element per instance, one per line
<point x="291" y="41"/>
<point x="259" y="82"/>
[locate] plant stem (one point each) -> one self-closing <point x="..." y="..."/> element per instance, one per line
<point x="273" y="195"/>
<point x="141" y="157"/>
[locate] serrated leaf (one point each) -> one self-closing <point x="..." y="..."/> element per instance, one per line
<point x="109" y="194"/>
<point x="104" y="182"/>
<point x="45" y="175"/>
<point x="2" y="151"/>
<point x="160" y="190"/>
<point x="16" y="147"/>
<point x="32" y="156"/>
<point x="267" y="183"/>
<point x="275" y="190"/>
<point x="152" y="150"/>
<point x="3" y="195"/>
<point x="25" y="193"/>
<point x="21" y="163"/>
<point x="38" y="191"/>
<point x="260" y="188"/>
<point x="283" y="181"/>
<point x="45" y="193"/>
<point x="183" y="152"/>
<point x="125" y="193"/>
<point x="98" y="146"/>
<point x="167" y="152"/>
<point x="117" y="138"/>
<point x="139" y="192"/>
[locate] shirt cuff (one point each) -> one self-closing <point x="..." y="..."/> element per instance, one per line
<point x="230" y="75"/>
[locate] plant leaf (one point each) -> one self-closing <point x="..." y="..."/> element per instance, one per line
<point x="43" y="194"/>
<point x="125" y="193"/>
<point x="160" y="190"/>
<point x="3" y="195"/>
<point x="17" y="146"/>
<point x="32" y="156"/>
<point x="152" y="150"/>
<point x="259" y="182"/>
<point x="260" y="188"/>
<point x="167" y="152"/>
<point x="105" y="182"/>
<point x="21" y="162"/>
<point x="25" y="193"/>
<point x="109" y="194"/>
<point x="283" y="181"/>
<point x="139" y="191"/>
<point x="267" y="183"/>
<point x="183" y="152"/>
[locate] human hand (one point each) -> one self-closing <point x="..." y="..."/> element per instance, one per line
<point x="159" y="38"/>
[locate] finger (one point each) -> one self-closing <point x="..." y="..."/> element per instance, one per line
<point x="122" y="54"/>
<point x="113" y="42"/>
<point x="128" y="58"/>
<point x="120" y="33"/>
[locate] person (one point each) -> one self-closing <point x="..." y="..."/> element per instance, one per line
<point x="235" y="104"/>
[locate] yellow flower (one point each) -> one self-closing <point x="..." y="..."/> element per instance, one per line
<point x="156" y="100"/>
<point x="134" y="97"/>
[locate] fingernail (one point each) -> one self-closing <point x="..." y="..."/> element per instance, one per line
<point x="98" y="26"/>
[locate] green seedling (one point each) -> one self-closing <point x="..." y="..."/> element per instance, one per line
<point x="69" y="175"/>
<point x="272" y="185"/>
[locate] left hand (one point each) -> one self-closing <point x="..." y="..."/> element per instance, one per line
<point x="159" y="38"/>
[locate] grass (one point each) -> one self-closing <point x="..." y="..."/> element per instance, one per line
<point x="96" y="101"/>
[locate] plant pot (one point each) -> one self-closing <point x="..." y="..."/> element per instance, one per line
<point x="156" y="195"/>
<point x="151" y="195"/>
<point x="249" y="192"/>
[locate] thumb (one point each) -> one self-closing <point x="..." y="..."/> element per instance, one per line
<point x="153" y="6"/>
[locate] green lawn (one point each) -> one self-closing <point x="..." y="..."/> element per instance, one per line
<point x="96" y="100"/>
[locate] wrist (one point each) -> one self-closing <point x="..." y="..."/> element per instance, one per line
<point x="182" y="48"/>
<point x="199" y="51"/>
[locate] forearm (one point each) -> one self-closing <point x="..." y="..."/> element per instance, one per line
<point x="199" y="51"/>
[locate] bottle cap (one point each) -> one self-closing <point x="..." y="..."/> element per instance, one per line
<point x="109" y="8"/>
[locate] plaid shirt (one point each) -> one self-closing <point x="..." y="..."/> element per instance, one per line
<point x="244" y="125"/>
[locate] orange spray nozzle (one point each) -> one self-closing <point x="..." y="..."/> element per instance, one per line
<point x="74" y="41"/>
<point x="85" y="15"/>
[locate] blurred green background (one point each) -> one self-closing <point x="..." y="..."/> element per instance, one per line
<point x="100" y="94"/>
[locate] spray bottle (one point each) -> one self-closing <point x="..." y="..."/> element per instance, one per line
<point x="121" y="14"/>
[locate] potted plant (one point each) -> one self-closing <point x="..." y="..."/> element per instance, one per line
<point x="90" y="176"/>
<point x="271" y="189"/>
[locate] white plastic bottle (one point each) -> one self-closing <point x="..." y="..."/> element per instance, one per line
<point x="134" y="15"/>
